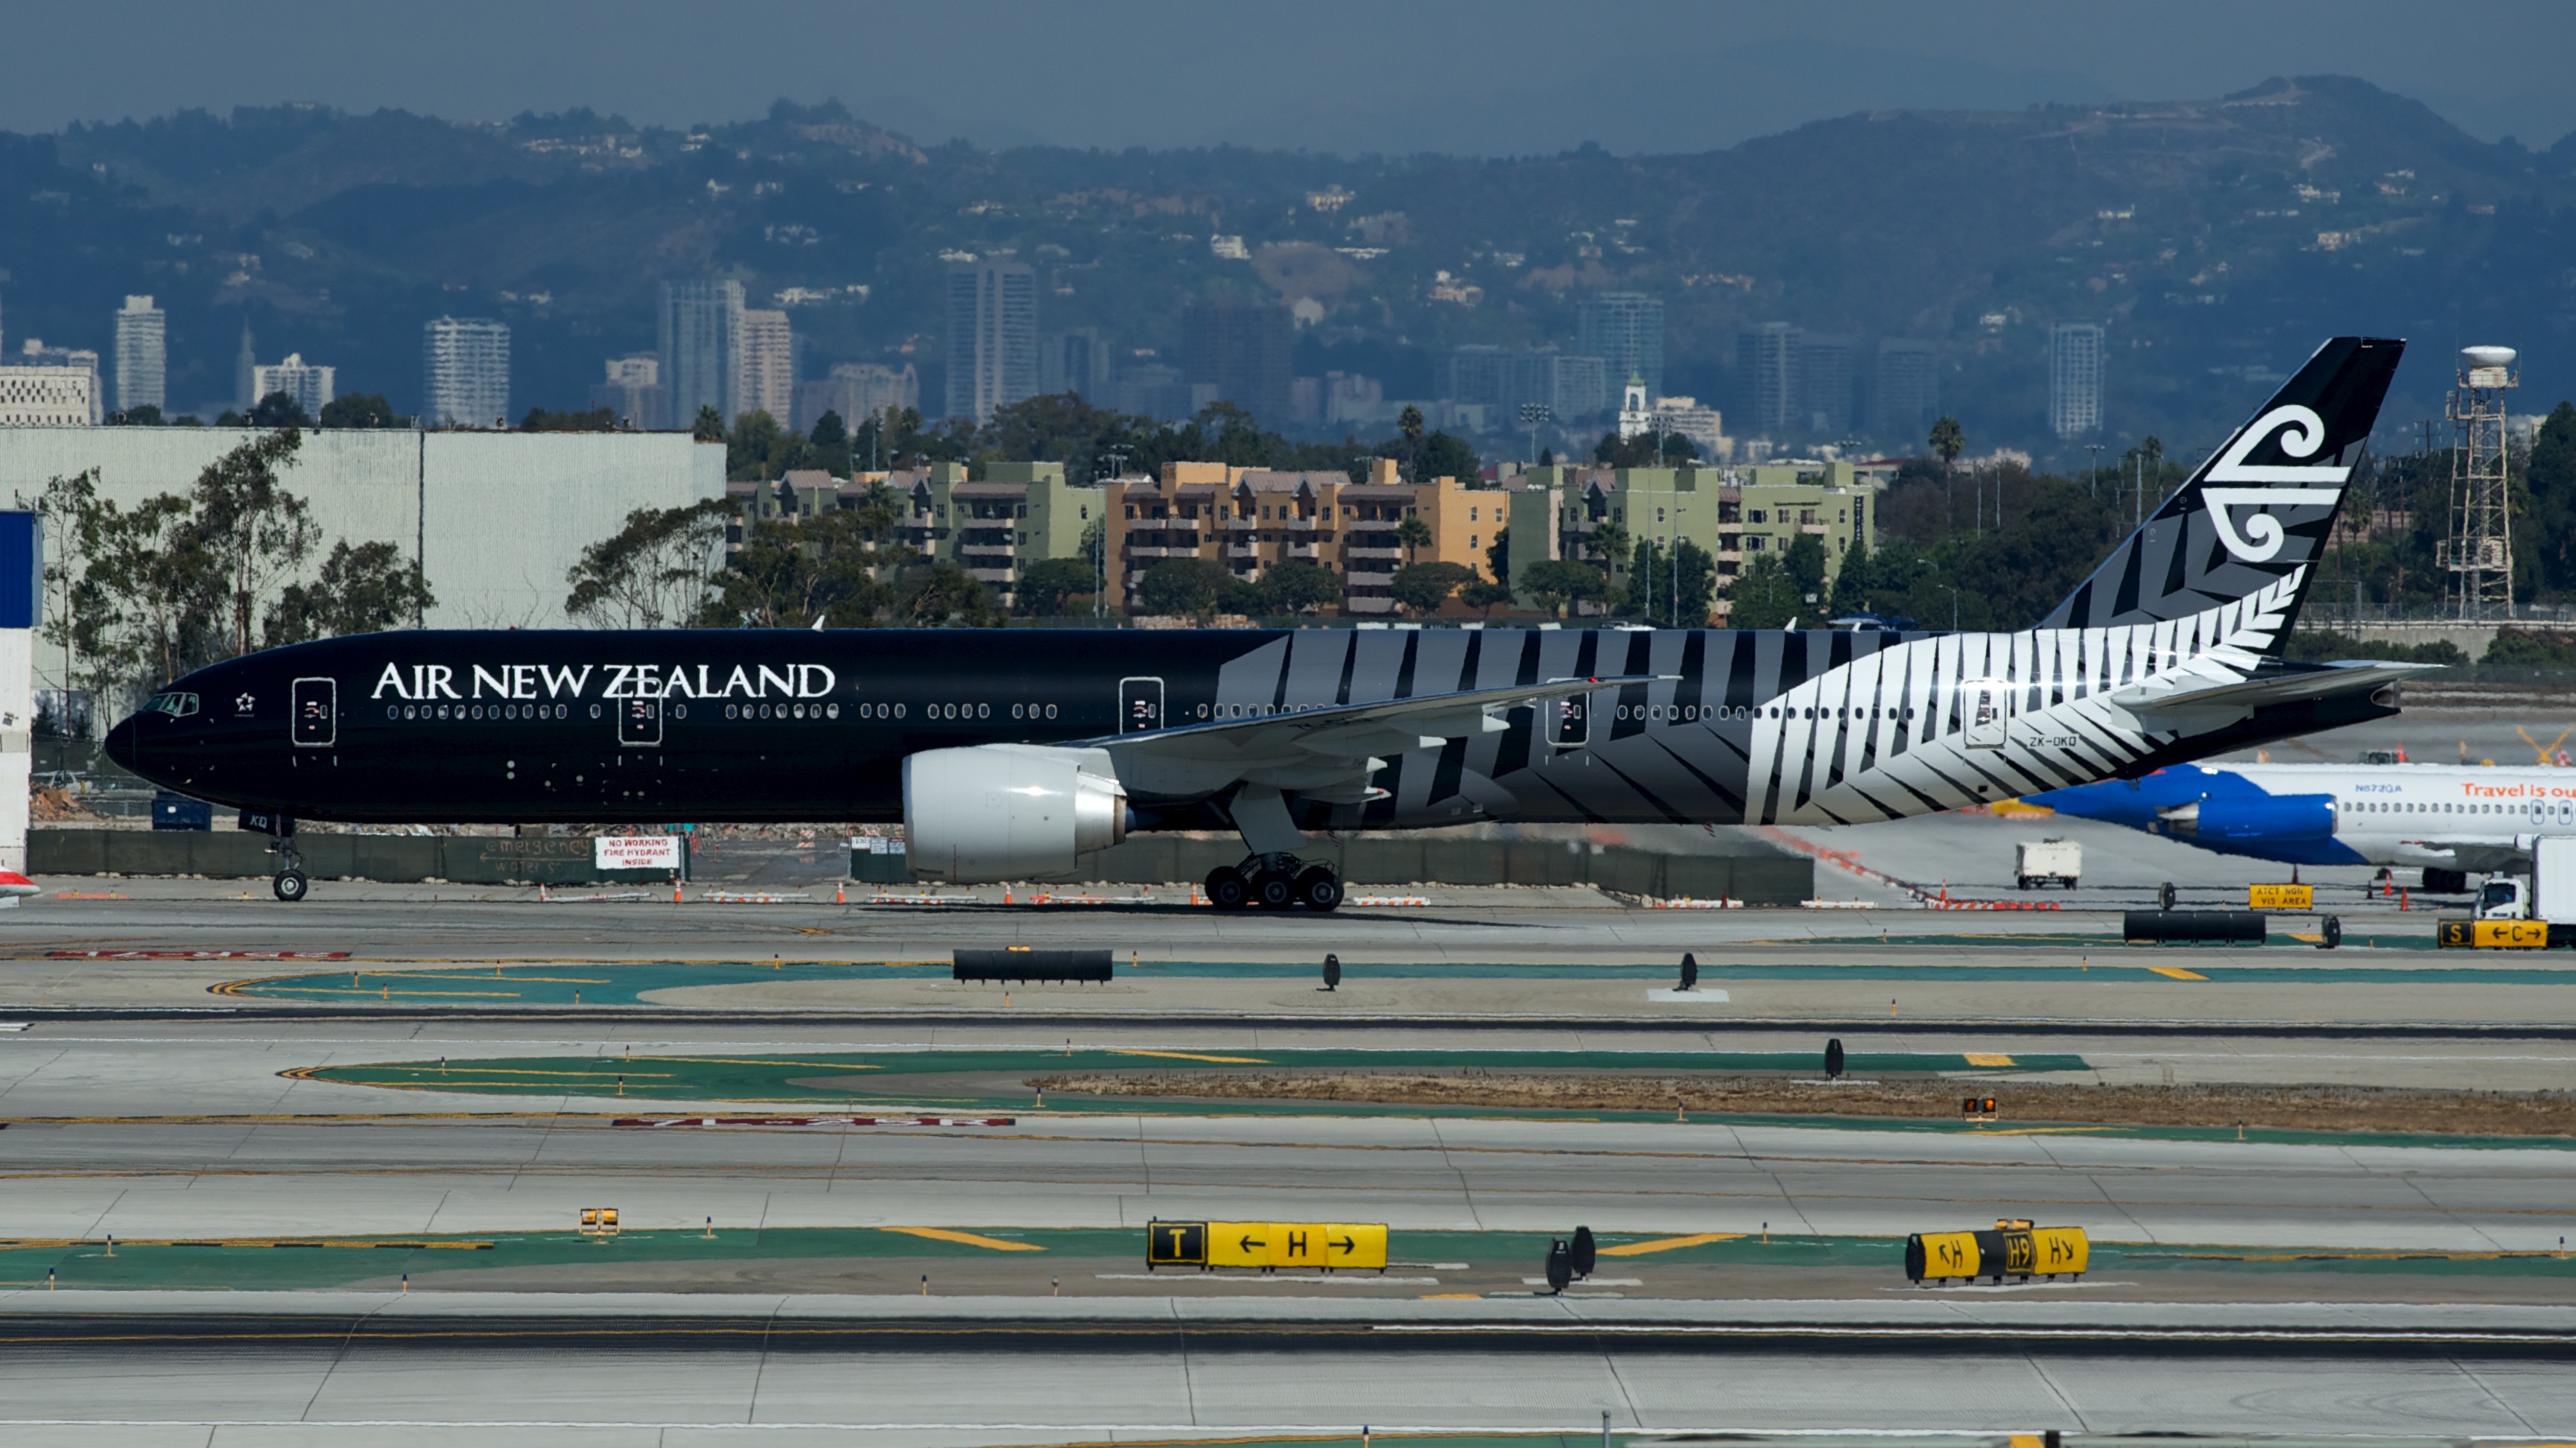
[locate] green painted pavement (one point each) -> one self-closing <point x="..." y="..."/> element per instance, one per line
<point x="320" y="1264"/>
<point x="793" y="1077"/>
<point x="628" y="983"/>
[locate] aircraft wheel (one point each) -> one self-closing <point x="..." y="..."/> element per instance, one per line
<point x="289" y="885"/>
<point x="1319" y="890"/>
<point x="1226" y="888"/>
<point x="1274" y="890"/>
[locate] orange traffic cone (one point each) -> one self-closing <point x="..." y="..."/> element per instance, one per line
<point x="840" y="889"/>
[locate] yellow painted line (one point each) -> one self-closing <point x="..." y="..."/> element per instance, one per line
<point x="1666" y="1244"/>
<point x="1977" y="1059"/>
<point x="1193" y="1056"/>
<point x="1451" y="1297"/>
<point x="2176" y="972"/>
<point x="2044" y="1130"/>
<point x="942" y="1234"/>
<point x="461" y="975"/>
<point x="2026" y="1440"/>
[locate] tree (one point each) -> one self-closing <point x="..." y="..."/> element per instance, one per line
<point x="146" y="415"/>
<point x="1558" y="582"/>
<point x="2549" y="479"/>
<point x="831" y="440"/>
<point x="1482" y="596"/>
<point x="1413" y="535"/>
<point x="251" y="529"/>
<point x="361" y="409"/>
<point x="1046" y="585"/>
<point x="1852" y="584"/>
<point x="653" y="573"/>
<point x="278" y="409"/>
<point x="1498" y="555"/>
<point x="1610" y="543"/>
<point x="1299" y="586"/>
<point x="365" y="589"/>
<point x="64" y="504"/>
<point x="597" y="419"/>
<point x="943" y="593"/>
<point x="790" y="572"/>
<point x="1805" y="560"/>
<point x="709" y="426"/>
<point x="1764" y="596"/>
<point x="1443" y="456"/>
<point x="1420" y="588"/>
<point x="1691" y="585"/>
<point x="1408" y="428"/>
<point x="1948" y="441"/>
<point x="1181" y="586"/>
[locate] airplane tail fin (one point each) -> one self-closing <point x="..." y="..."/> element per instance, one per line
<point x="2254" y="517"/>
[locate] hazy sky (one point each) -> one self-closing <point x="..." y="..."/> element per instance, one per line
<point x="1497" y="77"/>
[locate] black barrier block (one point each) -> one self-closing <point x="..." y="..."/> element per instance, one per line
<point x="1332" y="972"/>
<point x="1834" y="1058"/>
<point x="2248" y="926"/>
<point x="1025" y="965"/>
<point x="1560" y="1264"/>
<point x="1690" y="971"/>
<point x="1583" y="1252"/>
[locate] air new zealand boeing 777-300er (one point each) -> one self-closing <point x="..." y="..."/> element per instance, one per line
<point x="1013" y="754"/>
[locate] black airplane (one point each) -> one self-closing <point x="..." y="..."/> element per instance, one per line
<point x="1012" y="754"/>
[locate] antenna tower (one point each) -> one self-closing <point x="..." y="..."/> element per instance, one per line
<point x="2479" y="552"/>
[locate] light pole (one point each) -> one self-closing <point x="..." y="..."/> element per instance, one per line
<point x="2093" y="475"/>
<point x="1115" y="460"/>
<point x="1535" y="415"/>
<point x="1953" y="591"/>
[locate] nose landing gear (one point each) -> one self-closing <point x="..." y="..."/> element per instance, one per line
<point x="1274" y="882"/>
<point x="290" y="883"/>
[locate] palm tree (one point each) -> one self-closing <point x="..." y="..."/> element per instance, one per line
<point x="1409" y="423"/>
<point x="1948" y="442"/>
<point x="1412" y="534"/>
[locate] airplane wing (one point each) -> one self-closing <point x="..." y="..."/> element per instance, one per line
<point x="1327" y="753"/>
<point x="2174" y="703"/>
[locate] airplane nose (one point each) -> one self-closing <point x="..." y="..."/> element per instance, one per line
<point x="121" y="746"/>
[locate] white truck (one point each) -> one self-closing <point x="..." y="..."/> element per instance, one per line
<point x="2548" y="892"/>
<point x="2048" y="862"/>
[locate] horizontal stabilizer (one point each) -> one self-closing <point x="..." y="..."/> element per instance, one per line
<point x="2173" y="703"/>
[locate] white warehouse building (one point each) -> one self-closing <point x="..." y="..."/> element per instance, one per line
<point x="495" y="518"/>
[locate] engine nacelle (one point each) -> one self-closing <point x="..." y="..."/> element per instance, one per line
<point x="998" y="812"/>
<point x="2282" y="818"/>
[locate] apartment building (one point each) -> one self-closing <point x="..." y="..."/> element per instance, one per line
<point x="1251" y="520"/>
<point x="1017" y="515"/>
<point x="1736" y="514"/>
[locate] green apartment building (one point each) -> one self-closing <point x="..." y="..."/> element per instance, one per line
<point x="1736" y="513"/>
<point x="1016" y="515"/>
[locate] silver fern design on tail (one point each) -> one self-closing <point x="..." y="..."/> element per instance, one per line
<point x="1940" y="723"/>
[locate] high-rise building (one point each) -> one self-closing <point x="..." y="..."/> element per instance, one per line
<point x="245" y="369"/>
<point x="1905" y="396"/>
<point x="1244" y="351"/>
<point x="142" y="355"/>
<point x="465" y="373"/>
<point x="1825" y="384"/>
<point x="992" y="337"/>
<point x="1766" y="372"/>
<point x="1077" y="362"/>
<point x="695" y="331"/>
<point x="632" y="391"/>
<point x="2074" y="379"/>
<point x="764" y="372"/>
<point x="1626" y="331"/>
<point x="1571" y="387"/>
<point x="33" y="353"/>
<point x="856" y="391"/>
<point x="311" y="386"/>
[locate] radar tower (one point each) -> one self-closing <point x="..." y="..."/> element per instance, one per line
<point x="2479" y="552"/>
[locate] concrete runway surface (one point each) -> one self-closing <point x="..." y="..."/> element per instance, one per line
<point x="569" y="1383"/>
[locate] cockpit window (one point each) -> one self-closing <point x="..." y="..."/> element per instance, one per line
<point x="174" y="704"/>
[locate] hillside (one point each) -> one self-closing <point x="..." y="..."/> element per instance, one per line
<point x="2218" y="240"/>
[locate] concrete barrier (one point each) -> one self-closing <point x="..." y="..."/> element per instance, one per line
<point x="1142" y="860"/>
<point x="465" y="859"/>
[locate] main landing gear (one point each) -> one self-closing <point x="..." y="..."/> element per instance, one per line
<point x="1274" y="882"/>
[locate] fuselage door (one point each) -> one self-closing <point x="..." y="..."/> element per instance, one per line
<point x="1989" y="703"/>
<point x="1569" y="722"/>
<point x="639" y="723"/>
<point x="1140" y="705"/>
<point x="316" y="706"/>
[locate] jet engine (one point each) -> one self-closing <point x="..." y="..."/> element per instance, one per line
<point x="997" y="812"/>
<point x="2282" y="818"/>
